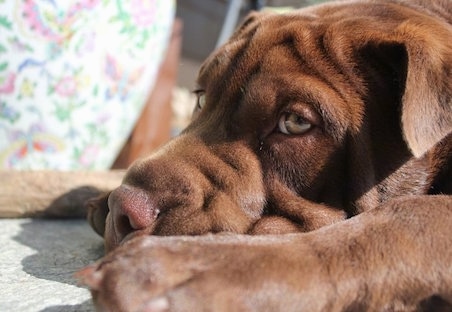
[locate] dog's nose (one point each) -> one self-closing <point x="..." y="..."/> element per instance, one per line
<point x="131" y="209"/>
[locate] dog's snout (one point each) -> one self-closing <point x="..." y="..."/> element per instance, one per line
<point x="187" y="188"/>
<point x="131" y="209"/>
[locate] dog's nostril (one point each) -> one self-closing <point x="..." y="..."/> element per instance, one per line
<point x="123" y="225"/>
<point x="132" y="209"/>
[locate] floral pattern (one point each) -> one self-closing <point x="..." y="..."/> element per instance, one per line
<point x="74" y="76"/>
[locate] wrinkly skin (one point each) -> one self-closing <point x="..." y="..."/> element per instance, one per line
<point x="334" y="120"/>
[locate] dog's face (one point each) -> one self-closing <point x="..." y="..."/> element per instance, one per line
<point x="301" y="120"/>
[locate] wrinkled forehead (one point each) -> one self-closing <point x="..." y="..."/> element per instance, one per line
<point x="247" y="48"/>
<point x="281" y="54"/>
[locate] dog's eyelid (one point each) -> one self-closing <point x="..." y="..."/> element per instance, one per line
<point x="200" y="98"/>
<point x="294" y="124"/>
<point x="308" y="110"/>
<point x="198" y="90"/>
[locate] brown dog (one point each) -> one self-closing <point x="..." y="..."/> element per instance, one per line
<point x="338" y="115"/>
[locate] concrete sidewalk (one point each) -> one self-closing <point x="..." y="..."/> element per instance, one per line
<point x="37" y="261"/>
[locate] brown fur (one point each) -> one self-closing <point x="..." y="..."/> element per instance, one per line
<point x="374" y="80"/>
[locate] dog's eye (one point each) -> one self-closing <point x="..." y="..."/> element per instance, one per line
<point x="201" y="100"/>
<point x="290" y="123"/>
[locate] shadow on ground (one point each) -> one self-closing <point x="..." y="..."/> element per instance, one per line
<point x="62" y="248"/>
<point x="86" y="306"/>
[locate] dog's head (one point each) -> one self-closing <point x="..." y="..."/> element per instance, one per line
<point x="306" y="118"/>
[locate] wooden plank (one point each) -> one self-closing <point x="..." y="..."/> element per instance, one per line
<point x="52" y="193"/>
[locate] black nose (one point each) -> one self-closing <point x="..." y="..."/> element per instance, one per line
<point x="131" y="209"/>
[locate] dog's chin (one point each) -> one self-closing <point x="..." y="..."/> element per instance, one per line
<point x="274" y="225"/>
<point x="112" y="239"/>
<point x="111" y="242"/>
<point x="134" y="234"/>
<point x="270" y="225"/>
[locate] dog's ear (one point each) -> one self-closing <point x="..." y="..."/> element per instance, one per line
<point x="249" y="22"/>
<point x="420" y="51"/>
<point x="97" y="211"/>
<point x="427" y="99"/>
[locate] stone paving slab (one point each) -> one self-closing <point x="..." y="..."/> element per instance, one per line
<point x="37" y="261"/>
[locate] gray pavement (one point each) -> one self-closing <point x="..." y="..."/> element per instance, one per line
<point x="37" y="261"/>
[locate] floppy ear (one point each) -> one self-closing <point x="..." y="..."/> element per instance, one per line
<point x="427" y="100"/>
<point x="421" y="48"/>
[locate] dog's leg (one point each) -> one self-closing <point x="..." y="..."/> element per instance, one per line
<point x="389" y="258"/>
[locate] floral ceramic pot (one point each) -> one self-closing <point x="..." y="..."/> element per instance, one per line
<point x="74" y="76"/>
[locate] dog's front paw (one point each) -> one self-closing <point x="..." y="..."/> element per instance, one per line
<point x="209" y="273"/>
